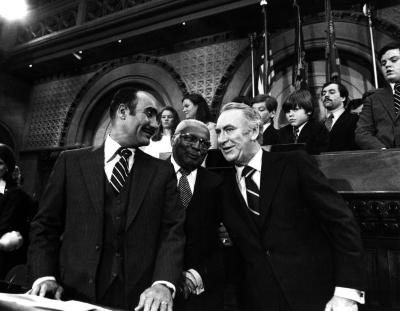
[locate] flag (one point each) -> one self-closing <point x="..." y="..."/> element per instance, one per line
<point x="331" y="52"/>
<point x="299" y="75"/>
<point x="265" y="77"/>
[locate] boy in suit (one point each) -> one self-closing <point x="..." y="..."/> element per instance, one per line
<point x="266" y="106"/>
<point x="302" y="128"/>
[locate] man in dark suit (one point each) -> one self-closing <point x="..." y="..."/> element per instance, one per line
<point x="299" y="240"/>
<point x="379" y="123"/>
<point x="340" y="123"/>
<point x="109" y="225"/>
<point x="266" y="106"/>
<point x="199" y="189"/>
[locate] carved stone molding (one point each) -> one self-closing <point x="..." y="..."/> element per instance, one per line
<point x="145" y="59"/>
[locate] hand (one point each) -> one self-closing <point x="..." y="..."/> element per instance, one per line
<point x="48" y="288"/>
<point x="341" y="304"/>
<point x="11" y="241"/>
<point x="157" y="297"/>
<point x="224" y="235"/>
<point x="187" y="287"/>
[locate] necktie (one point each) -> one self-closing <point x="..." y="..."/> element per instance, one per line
<point x="295" y="134"/>
<point x="120" y="171"/>
<point x="396" y="97"/>
<point x="252" y="191"/>
<point x="328" y="122"/>
<point x="185" y="194"/>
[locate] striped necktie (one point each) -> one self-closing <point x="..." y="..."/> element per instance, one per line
<point x="396" y="97"/>
<point x="185" y="194"/>
<point x="121" y="170"/>
<point x="252" y="191"/>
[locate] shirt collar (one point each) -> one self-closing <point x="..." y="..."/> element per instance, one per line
<point x="301" y="127"/>
<point x="111" y="147"/>
<point x="255" y="162"/>
<point x="265" y="126"/>
<point x="177" y="166"/>
<point x="337" y="113"/>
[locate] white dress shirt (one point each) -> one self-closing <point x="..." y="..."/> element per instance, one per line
<point x="256" y="162"/>
<point x="191" y="274"/>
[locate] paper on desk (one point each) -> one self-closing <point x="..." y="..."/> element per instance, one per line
<point x="49" y="304"/>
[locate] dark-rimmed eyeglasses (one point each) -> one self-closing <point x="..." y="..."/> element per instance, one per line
<point x="190" y="139"/>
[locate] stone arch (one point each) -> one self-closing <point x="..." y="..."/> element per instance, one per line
<point x="90" y="106"/>
<point x="352" y="39"/>
<point x="6" y="136"/>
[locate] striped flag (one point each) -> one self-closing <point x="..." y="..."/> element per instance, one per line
<point x="265" y="77"/>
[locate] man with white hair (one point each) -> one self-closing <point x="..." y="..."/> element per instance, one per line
<point x="299" y="240"/>
<point x="199" y="189"/>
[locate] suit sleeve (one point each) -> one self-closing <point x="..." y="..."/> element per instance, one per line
<point x="48" y="225"/>
<point x="337" y="220"/>
<point x="169" y="261"/>
<point x="365" y="133"/>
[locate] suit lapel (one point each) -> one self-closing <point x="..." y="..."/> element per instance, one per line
<point x="92" y="165"/>
<point x="240" y="204"/>
<point x="387" y="101"/>
<point x="271" y="171"/>
<point x="142" y="175"/>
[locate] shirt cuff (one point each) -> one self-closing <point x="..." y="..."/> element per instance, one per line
<point x="350" y="293"/>
<point x="167" y="284"/>
<point x="42" y="279"/>
<point x="195" y="277"/>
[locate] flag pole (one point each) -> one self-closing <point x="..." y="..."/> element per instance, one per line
<point x="264" y="4"/>
<point x="367" y="12"/>
<point x="253" y="84"/>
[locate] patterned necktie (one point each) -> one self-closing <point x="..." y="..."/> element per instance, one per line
<point x="252" y="191"/>
<point x="329" y="122"/>
<point x="396" y="97"/>
<point x="185" y="194"/>
<point x="120" y="171"/>
<point x="295" y="134"/>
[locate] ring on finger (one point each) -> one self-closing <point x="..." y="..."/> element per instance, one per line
<point x="164" y="302"/>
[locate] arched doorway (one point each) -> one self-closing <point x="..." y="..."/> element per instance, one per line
<point x="89" y="121"/>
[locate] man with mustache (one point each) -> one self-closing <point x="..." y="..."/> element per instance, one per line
<point x="199" y="192"/>
<point x="340" y="123"/>
<point x="109" y="229"/>
<point x="379" y="123"/>
<point x="300" y="244"/>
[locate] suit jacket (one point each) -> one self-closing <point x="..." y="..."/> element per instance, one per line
<point x="203" y="251"/>
<point x="314" y="134"/>
<point x="378" y="126"/>
<point x="72" y="208"/>
<point x="270" y="136"/>
<point x="308" y="238"/>
<point x="16" y="211"/>
<point x="341" y="136"/>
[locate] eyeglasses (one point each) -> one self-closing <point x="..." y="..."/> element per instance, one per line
<point x="191" y="140"/>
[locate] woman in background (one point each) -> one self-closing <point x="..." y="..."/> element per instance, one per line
<point x="160" y="142"/>
<point x="194" y="106"/>
<point x="15" y="211"/>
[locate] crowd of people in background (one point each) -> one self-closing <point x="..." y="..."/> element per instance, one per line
<point x="118" y="227"/>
